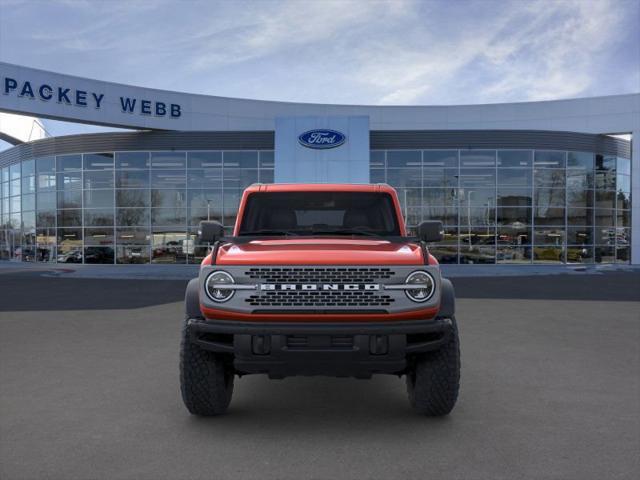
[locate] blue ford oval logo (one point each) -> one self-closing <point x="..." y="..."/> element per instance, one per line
<point x="322" y="138"/>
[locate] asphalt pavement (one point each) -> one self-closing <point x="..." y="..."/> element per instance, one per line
<point x="550" y="389"/>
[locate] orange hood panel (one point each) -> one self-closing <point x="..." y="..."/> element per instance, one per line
<point x="320" y="251"/>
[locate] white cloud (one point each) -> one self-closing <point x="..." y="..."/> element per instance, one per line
<point x="386" y="52"/>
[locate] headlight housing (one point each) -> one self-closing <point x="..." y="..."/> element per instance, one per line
<point x="425" y="286"/>
<point x="214" y="286"/>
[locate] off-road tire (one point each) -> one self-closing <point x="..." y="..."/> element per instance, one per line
<point x="434" y="379"/>
<point x="206" y="380"/>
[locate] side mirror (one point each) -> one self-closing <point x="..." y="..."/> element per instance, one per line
<point x="430" y="231"/>
<point x="210" y="232"/>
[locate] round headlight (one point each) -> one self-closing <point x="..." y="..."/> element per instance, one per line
<point x="214" y="286"/>
<point x="425" y="286"/>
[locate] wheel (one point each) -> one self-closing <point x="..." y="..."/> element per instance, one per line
<point x="206" y="380"/>
<point x="434" y="380"/>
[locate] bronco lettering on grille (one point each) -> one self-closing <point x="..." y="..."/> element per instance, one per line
<point x="321" y="286"/>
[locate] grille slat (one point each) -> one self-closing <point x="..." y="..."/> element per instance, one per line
<point x="319" y="275"/>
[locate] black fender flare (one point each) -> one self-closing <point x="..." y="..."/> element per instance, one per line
<point x="192" y="299"/>
<point x="447" y="299"/>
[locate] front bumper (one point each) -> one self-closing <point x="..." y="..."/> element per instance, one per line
<point x="334" y="349"/>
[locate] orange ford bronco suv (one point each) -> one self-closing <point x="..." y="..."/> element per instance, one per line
<point x="319" y="280"/>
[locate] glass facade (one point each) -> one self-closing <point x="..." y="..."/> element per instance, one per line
<point x="515" y="206"/>
<point x="122" y="207"/>
<point x="497" y="206"/>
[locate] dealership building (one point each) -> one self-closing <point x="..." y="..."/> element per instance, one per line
<point x="514" y="183"/>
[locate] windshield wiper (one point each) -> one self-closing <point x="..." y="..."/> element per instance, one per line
<point x="266" y="231"/>
<point x="346" y="231"/>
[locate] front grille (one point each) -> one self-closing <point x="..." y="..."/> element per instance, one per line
<point x="336" y="298"/>
<point x="319" y="274"/>
<point x="316" y="276"/>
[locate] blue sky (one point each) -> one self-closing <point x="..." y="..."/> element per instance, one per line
<point x="362" y="52"/>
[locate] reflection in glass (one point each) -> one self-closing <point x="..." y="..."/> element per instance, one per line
<point x="46" y="218"/>
<point x="439" y="196"/>
<point x="138" y="160"/>
<point x="404" y="177"/>
<point x="477" y="158"/>
<point x="28" y="168"/>
<point x="98" y="236"/>
<point x="579" y="216"/>
<point x="132" y="198"/>
<point x="580" y="236"/>
<point x="132" y="217"/>
<point x="605" y="199"/>
<point x="174" y="198"/>
<point x="605" y="254"/>
<point x="606" y="218"/>
<point x="98" y="199"/>
<point x="548" y="254"/>
<point x="70" y="218"/>
<point x="98" y="179"/>
<point x="97" y="161"/>
<point x="267" y="176"/>
<point x="548" y="215"/>
<point x="605" y="235"/>
<point x="69" y="162"/>
<point x="579" y="198"/>
<point x="168" y="160"/>
<point x="43" y="165"/>
<point x="549" y="178"/>
<point x="440" y="177"/>
<point x="514" y="158"/>
<point x="128" y="254"/>
<point x="28" y="184"/>
<point x="204" y="159"/>
<point x="404" y="158"/>
<point x="448" y="215"/>
<point x="69" y="245"/>
<point x="549" y="236"/>
<point x="46" y="182"/>
<point x="440" y="159"/>
<point x="66" y="199"/>
<point x="133" y="236"/>
<point x="582" y="254"/>
<point x="239" y="177"/>
<point x="98" y="254"/>
<point x="168" y="216"/>
<point x="514" y="234"/>
<point x="477" y="177"/>
<point x="514" y="176"/>
<point x="240" y="159"/>
<point x="132" y="179"/>
<point x="98" y="217"/>
<point x="549" y="159"/>
<point x="623" y="254"/>
<point x="579" y="179"/>
<point x="70" y="180"/>
<point x="582" y="160"/>
<point x="377" y="159"/>
<point x="205" y="178"/>
<point x="511" y="254"/>
<point x="514" y="196"/>
<point x="514" y="215"/>
<point x="168" y="179"/>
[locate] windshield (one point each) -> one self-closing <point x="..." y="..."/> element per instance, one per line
<point x="320" y="213"/>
